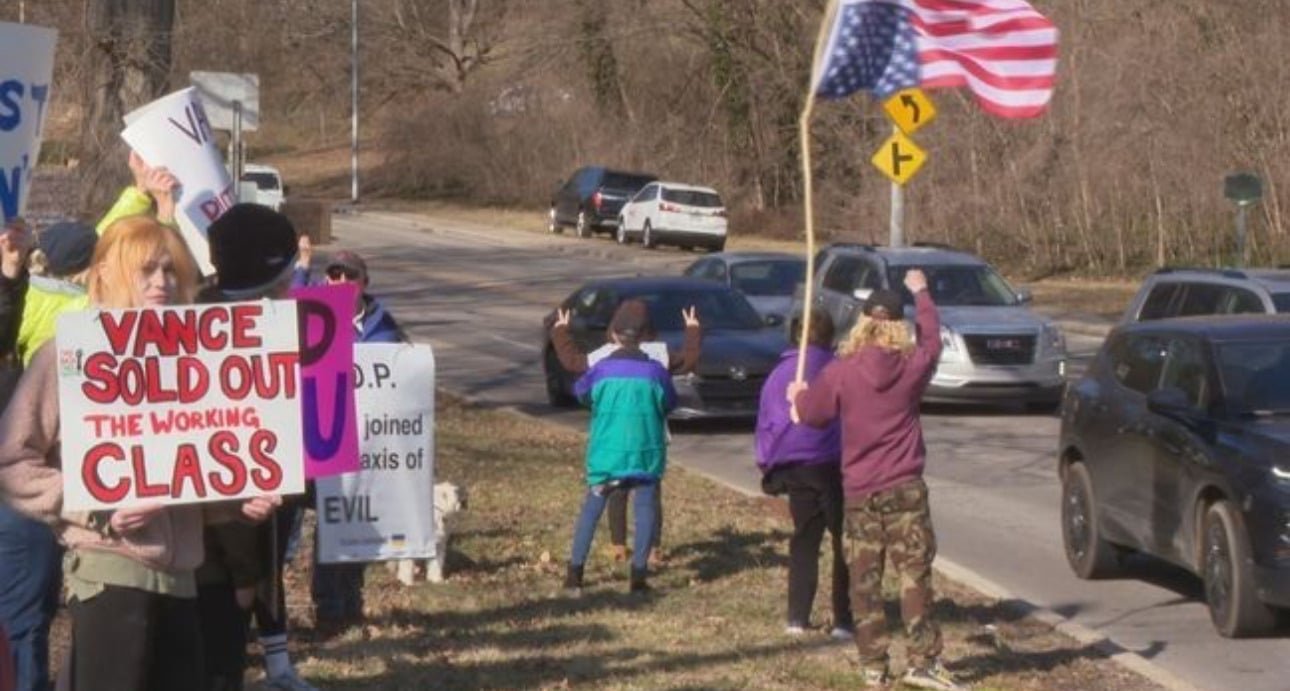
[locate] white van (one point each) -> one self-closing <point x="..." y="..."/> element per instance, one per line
<point x="262" y="184"/>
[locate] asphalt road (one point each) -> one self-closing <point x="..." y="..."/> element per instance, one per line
<point x="478" y="295"/>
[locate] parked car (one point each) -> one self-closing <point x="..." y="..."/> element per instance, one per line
<point x="674" y="214"/>
<point x="591" y="199"/>
<point x="1175" y="444"/>
<point x="739" y="348"/>
<point x="1190" y="292"/>
<point x="767" y="279"/>
<point x="262" y="184"/>
<point x="993" y="347"/>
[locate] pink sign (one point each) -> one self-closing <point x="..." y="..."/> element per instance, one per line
<point x="326" y="315"/>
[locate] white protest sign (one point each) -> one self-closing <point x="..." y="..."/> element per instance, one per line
<point x="656" y="350"/>
<point x="174" y="133"/>
<point x="26" y="73"/>
<point x="385" y="510"/>
<point x="179" y="405"/>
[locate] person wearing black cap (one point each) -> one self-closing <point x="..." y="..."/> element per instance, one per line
<point x="253" y="249"/>
<point x="874" y="388"/>
<point x="630" y="396"/>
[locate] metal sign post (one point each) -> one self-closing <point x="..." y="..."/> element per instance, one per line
<point x="1244" y="190"/>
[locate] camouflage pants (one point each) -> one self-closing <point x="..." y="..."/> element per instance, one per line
<point x="893" y="523"/>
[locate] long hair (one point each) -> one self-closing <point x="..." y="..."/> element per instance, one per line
<point x="892" y="335"/>
<point x="123" y="250"/>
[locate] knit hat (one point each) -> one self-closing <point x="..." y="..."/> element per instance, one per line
<point x="345" y="259"/>
<point x="68" y="247"/>
<point x="252" y="247"/>
<point x="631" y="321"/>
<point x="884" y="304"/>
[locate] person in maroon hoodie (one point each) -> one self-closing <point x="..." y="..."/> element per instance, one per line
<point x="874" y="387"/>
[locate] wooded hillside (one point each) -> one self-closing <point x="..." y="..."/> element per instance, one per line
<point x="495" y="100"/>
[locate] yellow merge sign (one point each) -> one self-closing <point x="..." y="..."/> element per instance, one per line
<point x="899" y="158"/>
<point x="909" y="109"/>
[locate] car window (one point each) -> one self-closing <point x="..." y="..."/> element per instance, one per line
<point x="1281" y="302"/>
<point x="959" y="285"/>
<point x="263" y="181"/>
<point x="1136" y="361"/>
<point x="696" y="269"/>
<point x="1201" y="299"/>
<point x="646" y="193"/>
<point x="718" y="309"/>
<point x="844" y="274"/>
<point x="596" y="305"/>
<point x="585" y="180"/>
<point x="775" y="277"/>
<point x="1255" y="375"/>
<point x="1241" y="301"/>
<point x="1156" y="306"/>
<point x="705" y="200"/>
<point x="625" y="181"/>
<point x="1185" y="370"/>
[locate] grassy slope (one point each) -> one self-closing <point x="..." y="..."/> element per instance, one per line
<point x="501" y="622"/>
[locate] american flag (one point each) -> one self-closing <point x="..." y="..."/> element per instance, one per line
<point x="1004" y="51"/>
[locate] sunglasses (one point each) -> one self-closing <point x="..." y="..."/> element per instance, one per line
<point x="335" y="273"/>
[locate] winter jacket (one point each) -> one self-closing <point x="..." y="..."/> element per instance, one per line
<point x="630" y="396"/>
<point x="46" y="299"/>
<point x="376" y="325"/>
<point x="779" y="440"/>
<point x="876" y="392"/>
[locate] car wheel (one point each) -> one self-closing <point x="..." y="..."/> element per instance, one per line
<point x="718" y="246"/>
<point x="621" y="234"/>
<point x="583" y="226"/>
<point x="1089" y="555"/>
<point x="1234" y="606"/>
<point x="556" y="394"/>
<point x="647" y="237"/>
<point x="553" y="225"/>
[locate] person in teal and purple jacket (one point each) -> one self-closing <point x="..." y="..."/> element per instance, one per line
<point x="630" y="396"/>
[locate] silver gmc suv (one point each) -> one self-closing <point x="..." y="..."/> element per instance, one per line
<point x="993" y="347"/>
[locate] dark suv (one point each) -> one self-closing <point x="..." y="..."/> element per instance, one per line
<point x="591" y="198"/>
<point x="1176" y="443"/>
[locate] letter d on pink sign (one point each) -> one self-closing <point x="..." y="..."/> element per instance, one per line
<point x="327" y="378"/>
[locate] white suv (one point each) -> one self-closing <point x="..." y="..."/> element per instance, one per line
<point x="675" y="214"/>
<point x="993" y="347"/>
<point x="262" y="184"/>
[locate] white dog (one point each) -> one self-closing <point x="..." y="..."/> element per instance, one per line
<point x="448" y="499"/>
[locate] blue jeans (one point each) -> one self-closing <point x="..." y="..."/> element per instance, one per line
<point x="643" y="507"/>
<point x="30" y="581"/>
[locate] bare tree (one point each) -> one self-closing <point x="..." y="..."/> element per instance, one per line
<point x="127" y="64"/>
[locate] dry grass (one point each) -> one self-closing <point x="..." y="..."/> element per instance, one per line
<point x="501" y="621"/>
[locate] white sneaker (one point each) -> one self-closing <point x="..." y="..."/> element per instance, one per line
<point x="794" y="630"/>
<point x="840" y="633"/>
<point x="288" y="681"/>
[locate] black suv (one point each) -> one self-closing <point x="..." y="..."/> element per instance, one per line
<point x="590" y="199"/>
<point x="1176" y="443"/>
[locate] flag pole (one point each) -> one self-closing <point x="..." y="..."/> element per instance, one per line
<point x="804" y="133"/>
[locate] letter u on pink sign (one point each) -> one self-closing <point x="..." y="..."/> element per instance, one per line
<point x="327" y="379"/>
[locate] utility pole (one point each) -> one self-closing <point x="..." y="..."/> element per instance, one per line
<point x="353" y="107"/>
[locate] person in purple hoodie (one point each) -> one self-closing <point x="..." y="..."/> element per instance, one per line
<point x="874" y="388"/>
<point x="803" y="462"/>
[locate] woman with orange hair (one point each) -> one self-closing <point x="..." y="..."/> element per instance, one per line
<point x="129" y="572"/>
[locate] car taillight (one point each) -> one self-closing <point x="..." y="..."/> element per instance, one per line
<point x="664" y="206"/>
<point x="596" y="200"/>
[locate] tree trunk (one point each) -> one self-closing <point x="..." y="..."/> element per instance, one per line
<point x="127" y="65"/>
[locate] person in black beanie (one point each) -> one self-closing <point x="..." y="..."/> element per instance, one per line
<point x="253" y="249"/>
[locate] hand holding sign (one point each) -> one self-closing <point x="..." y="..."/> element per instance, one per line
<point x="127" y="520"/>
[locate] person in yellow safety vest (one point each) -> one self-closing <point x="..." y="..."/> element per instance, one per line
<point x="58" y="271"/>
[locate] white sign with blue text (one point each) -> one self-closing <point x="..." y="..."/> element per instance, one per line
<point x="26" y="77"/>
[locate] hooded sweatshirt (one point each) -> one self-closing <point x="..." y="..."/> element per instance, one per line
<point x="779" y="440"/>
<point x="876" y="392"/>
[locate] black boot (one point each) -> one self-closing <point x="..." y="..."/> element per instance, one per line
<point x="573" y="579"/>
<point x="638" y="581"/>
